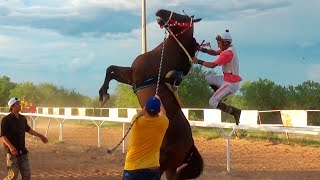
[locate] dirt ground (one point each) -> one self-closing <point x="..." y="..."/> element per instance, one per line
<point x="78" y="157"/>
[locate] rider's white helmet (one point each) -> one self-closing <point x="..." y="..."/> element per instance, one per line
<point x="224" y="36"/>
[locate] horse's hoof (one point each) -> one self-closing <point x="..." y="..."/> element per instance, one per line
<point x="105" y="98"/>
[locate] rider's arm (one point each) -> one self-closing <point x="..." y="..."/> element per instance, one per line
<point x="203" y="63"/>
<point x="213" y="52"/>
<point x="209" y="64"/>
<point x="224" y="58"/>
<point x="210" y="51"/>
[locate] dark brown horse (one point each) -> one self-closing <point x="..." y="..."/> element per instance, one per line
<point x="178" y="145"/>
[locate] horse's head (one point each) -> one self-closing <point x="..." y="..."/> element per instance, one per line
<point x="176" y="22"/>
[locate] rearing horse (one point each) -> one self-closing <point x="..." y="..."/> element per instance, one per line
<point x="178" y="147"/>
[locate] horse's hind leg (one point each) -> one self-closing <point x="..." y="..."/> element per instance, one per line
<point x="171" y="174"/>
<point x="120" y="74"/>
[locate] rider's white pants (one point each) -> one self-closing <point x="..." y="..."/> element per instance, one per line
<point x="225" y="89"/>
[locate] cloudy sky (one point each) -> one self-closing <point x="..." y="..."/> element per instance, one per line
<point x="70" y="43"/>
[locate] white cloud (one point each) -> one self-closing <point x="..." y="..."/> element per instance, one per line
<point x="279" y="27"/>
<point x="80" y="62"/>
<point x="64" y="40"/>
<point x="306" y="44"/>
<point x="96" y="17"/>
<point x="114" y="4"/>
<point x="6" y="40"/>
<point x="313" y="72"/>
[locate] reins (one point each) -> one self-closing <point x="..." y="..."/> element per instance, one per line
<point x="182" y="47"/>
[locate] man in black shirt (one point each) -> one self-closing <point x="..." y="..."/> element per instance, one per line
<point x="13" y="128"/>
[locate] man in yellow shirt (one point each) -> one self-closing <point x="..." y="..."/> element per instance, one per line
<point x="148" y="130"/>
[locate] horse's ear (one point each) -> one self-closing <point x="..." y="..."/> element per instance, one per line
<point x="197" y="20"/>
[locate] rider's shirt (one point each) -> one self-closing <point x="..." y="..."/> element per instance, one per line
<point x="146" y="139"/>
<point x="228" y="59"/>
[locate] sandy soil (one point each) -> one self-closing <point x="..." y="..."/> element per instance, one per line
<point x="79" y="158"/>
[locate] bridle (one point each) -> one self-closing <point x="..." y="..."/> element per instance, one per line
<point x="173" y="23"/>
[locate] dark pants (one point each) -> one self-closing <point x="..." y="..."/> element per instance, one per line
<point x="141" y="174"/>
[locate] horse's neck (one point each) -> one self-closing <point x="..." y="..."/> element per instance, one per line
<point x="174" y="57"/>
<point x="184" y="37"/>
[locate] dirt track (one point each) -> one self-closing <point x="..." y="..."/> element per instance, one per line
<point x="79" y="158"/>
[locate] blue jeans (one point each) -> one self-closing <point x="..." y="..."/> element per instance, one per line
<point x="141" y="174"/>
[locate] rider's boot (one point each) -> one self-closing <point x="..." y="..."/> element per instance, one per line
<point x="235" y="112"/>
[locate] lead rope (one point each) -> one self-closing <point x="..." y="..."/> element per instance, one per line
<point x="161" y="60"/>
<point x="157" y="89"/>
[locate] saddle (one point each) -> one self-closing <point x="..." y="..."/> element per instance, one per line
<point x="172" y="80"/>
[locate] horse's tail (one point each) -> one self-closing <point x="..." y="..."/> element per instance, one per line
<point x="194" y="165"/>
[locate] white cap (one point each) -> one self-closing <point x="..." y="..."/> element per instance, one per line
<point x="12" y="101"/>
<point x="226" y="36"/>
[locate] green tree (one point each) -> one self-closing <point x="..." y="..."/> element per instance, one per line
<point x="125" y="98"/>
<point x="304" y="96"/>
<point x="236" y="100"/>
<point x="94" y="102"/>
<point x="5" y="87"/>
<point x="263" y="94"/>
<point x="51" y="95"/>
<point x="27" y="90"/>
<point x="48" y="94"/>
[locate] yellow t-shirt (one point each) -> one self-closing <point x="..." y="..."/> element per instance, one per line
<point x="146" y="139"/>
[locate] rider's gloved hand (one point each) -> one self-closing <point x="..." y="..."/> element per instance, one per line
<point x="200" y="62"/>
<point x="204" y="50"/>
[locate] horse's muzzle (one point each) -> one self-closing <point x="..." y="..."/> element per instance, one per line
<point x="160" y="22"/>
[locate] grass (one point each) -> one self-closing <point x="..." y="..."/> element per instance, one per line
<point x="294" y="139"/>
<point x="56" y="142"/>
<point x="208" y="133"/>
<point x="104" y="125"/>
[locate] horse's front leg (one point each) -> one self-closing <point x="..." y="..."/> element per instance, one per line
<point x="118" y="73"/>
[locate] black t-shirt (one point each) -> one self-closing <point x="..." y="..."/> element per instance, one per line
<point x="14" y="129"/>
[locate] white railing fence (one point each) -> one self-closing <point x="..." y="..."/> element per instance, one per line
<point x="292" y="121"/>
<point x="297" y="118"/>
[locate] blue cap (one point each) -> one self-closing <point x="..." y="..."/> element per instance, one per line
<point x="153" y="105"/>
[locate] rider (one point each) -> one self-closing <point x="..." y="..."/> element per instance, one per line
<point x="228" y="83"/>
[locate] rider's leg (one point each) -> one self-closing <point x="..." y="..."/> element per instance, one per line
<point x="215" y="101"/>
<point x="214" y="81"/>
